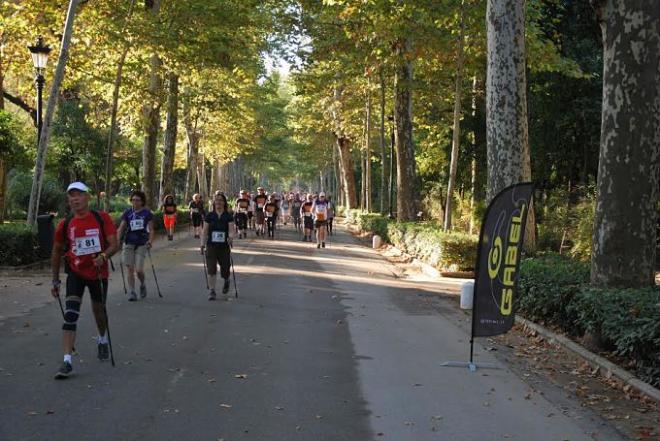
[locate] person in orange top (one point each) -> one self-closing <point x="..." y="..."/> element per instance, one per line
<point x="169" y="215"/>
<point x="86" y="239"/>
<point x="320" y="211"/>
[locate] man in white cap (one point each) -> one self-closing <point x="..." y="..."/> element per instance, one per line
<point x="320" y="211"/>
<point x="86" y="239"/>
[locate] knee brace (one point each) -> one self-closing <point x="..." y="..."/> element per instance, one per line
<point x="71" y="314"/>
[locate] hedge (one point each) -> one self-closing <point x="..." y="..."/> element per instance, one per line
<point x="424" y="240"/>
<point x="554" y="289"/>
<point x="20" y="245"/>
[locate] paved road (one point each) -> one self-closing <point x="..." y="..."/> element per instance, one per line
<point x="323" y="345"/>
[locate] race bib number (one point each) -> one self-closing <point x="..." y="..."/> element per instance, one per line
<point x="260" y="205"/>
<point x="308" y="214"/>
<point x="87" y="245"/>
<point x="269" y="214"/>
<point x="137" y="224"/>
<point x="195" y="210"/>
<point x="218" y="237"/>
<point x="242" y="210"/>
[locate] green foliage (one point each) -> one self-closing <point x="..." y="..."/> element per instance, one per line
<point x="373" y="222"/>
<point x="9" y="141"/>
<point x="426" y="241"/>
<point x="18" y="194"/>
<point x="554" y="290"/>
<point x="19" y="245"/>
<point x="547" y="284"/>
<point x="627" y="319"/>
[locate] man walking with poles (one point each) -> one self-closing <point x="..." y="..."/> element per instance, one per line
<point x="215" y="244"/>
<point x="86" y="239"/>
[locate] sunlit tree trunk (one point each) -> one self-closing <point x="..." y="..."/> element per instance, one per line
<point x="169" y="144"/>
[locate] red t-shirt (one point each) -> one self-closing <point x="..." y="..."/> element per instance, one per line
<point x="85" y="242"/>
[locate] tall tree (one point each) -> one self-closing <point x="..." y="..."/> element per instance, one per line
<point x="506" y="101"/>
<point x="453" y="165"/>
<point x="406" y="178"/>
<point x="624" y="241"/>
<point x="151" y="117"/>
<point x="169" y="144"/>
<point x="40" y="163"/>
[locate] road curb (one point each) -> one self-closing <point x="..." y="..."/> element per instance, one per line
<point x="607" y="368"/>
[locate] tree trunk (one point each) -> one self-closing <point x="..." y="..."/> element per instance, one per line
<point x="151" y="121"/>
<point x="624" y="240"/>
<point x="112" y="133"/>
<point x="383" y="153"/>
<point x="458" y="96"/>
<point x="44" y="138"/>
<point x="363" y="169"/>
<point x="193" y="142"/>
<point x="347" y="176"/>
<point x="202" y="183"/>
<point x="3" y="162"/>
<point x="405" y="150"/>
<point x="367" y="154"/>
<point x="169" y="144"/>
<point x="506" y="107"/>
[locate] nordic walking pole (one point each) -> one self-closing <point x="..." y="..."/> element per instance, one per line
<point x="233" y="271"/>
<point x="107" y="319"/>
<point x="121" y="267"/>
<point x="206" y="276"/>
<point x="154" y="271"/>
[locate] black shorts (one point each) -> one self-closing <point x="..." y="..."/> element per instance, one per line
<point x="250" y="214"/>
<point x="241" y="220"/>
<point x="309" y="222"/>
<point x="196" y="219"/>
<point x="75" y="287"/>
<point x="320" y="223"/>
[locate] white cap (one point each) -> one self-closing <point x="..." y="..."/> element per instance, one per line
<point x="322" y="194"/>
<point x="77" y="186"/>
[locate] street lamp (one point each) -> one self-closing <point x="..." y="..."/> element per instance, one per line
<point x="391" y="120"/>
<point x="39" y="53"/>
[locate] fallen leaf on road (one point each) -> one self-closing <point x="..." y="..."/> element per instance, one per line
<point x="408" y="423"/>
<point x="225" y="406"/>
<point x="33" y="413"/>
<point x="319" y="417"/>
<point x="241" y="376"/>
<point x="279" y="408"/>
<point x="50" y="412"/>
<point x="416" y="384"/>
<point x="212" y="380"/>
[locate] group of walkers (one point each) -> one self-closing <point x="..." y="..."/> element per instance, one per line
<point x="87" y="239"/>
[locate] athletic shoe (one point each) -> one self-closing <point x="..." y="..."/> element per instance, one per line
<point x="225" y="287"/>
<point x="103" y="351"/>
<point x="323" y="244"/>
<point x="318" y="245"/>
<point x="132" y="297"/>
<point x="212" y="295"/>
<point x="64" y="371"/>
<point x="143" y="291"/>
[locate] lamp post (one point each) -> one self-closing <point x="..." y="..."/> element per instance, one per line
<point x="39" y="53"/>
<point x="391" y="189"/>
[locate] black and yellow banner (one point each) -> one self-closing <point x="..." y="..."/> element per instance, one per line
<point x="498" y="260"/>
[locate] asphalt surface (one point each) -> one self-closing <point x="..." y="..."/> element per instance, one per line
<point x="323" y="344"/>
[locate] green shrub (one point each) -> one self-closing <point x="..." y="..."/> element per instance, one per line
<point x="19" y="245"/>
<point x="427" y="242"/>
<point x="374" y="223"/>
<point x="547" y="284"/>
<point x="627" y="319"/>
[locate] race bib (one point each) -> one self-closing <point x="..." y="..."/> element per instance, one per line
<point x="308" y="214"/>
<point x="195" y="210"/>
<point x="137" y="224"/>
<point x="87" y="245"/>
<point x="218" y="237"/>
<point x="242" y="210"/>
<point x="269" y="214"/>
<point x="260" y="205"/>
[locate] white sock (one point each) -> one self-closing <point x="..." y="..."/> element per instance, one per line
<point x="103" y="339"/>
<point x="212" y="279"/>
<point x="67" y="358"/>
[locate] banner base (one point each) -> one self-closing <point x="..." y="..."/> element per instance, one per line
<point x="472" y="367"/>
